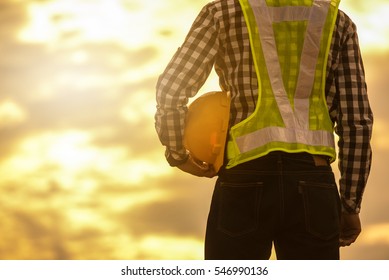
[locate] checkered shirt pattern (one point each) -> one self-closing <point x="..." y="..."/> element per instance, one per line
<point x="219" y="38"/>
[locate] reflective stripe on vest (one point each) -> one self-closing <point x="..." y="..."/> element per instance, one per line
<point x="291" y="84"/>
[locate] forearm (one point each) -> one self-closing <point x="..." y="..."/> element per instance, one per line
<point x="183" y="77"/>
<point x="354" y="164"/>
<point x="355" y="121"/>
<point x="169" y="123"/>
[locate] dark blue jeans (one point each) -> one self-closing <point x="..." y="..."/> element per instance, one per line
<point x="289" y="200"/>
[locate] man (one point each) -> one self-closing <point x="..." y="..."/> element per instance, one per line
<point x="295" y="75"/>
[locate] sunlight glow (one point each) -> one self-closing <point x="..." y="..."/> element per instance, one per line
<point x="138" y="108"/>
<point x="373" y="25"/>
<point x="381" y="135"/>
<point x="91" y="21"/>
<point x="11" y="113"/>
<point x="172" y="248"/>
<point x="376" y="234"/>
<point x="80" y="57"/>
<point x="67" y="155"/>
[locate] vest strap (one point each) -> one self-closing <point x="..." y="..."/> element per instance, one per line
<point x="316" y="16"/>
<point x="267" y="135"/>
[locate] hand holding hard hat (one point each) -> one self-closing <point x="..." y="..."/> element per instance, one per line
<point x="206" y="129"/>
<point x="197" y="168"/>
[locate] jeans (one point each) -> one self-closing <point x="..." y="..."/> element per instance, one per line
<point x="282" y="199"/>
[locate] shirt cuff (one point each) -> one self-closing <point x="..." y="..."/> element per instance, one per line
<point x="346" y="208"/>
<point x="175" y="159"/>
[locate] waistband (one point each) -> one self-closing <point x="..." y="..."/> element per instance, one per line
<point x="273" y="157"/>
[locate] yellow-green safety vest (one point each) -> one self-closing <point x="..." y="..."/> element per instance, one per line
<point x="290" y="42"/>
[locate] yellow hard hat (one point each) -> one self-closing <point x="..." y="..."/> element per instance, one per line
<point x="206" y="127"/>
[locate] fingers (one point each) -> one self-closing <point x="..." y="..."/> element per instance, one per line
<point x="350" y="229"/>
<point x="197" y="168"/>
<point x="345" y="241"/>
<point x="348" y="236"/>
<point x="204" y="169"/>
<point x="200" y="164"/>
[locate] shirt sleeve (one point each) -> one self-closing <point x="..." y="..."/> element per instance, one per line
<point x="354" y="123"/>
<point x="183" y="77"/>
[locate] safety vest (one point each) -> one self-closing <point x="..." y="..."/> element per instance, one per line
<point x="290" y="42"/>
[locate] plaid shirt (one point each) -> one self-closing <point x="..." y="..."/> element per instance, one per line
<point x="219" y="38"/>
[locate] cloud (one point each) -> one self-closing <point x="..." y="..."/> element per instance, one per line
<point x="31" y="234"/>
<point x="372" y="23"/>
<point x="116" y="219"/>
<point x="66" y="155"/>
<point x="87" y="89"/>
<point x="180" y="210"/>
<point x="13" y="16"/>
<point x="11" y="114"/>
<point x="159" y="247"/>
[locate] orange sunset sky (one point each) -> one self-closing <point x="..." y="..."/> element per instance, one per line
<point x="82" y="172"/>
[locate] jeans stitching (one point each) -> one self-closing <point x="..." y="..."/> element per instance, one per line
<point x="305" y="188"/>
<point x="222" y="225"/>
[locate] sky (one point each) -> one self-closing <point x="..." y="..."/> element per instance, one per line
<point x="82" y="172"/>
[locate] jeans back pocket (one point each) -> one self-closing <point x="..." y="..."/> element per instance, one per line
<point x="322" y="209"/>
<point x="239" y="207"/>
